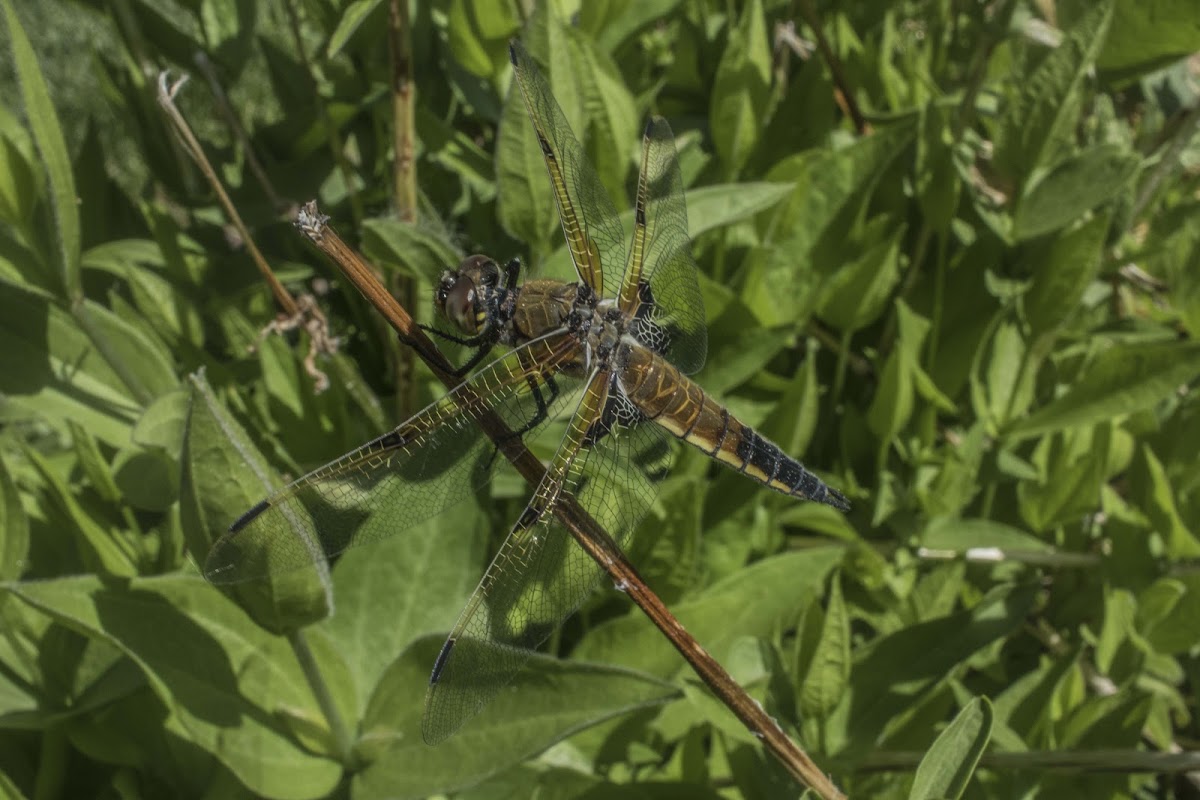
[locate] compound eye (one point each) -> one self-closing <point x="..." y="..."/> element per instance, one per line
<point x="459" y="305"/>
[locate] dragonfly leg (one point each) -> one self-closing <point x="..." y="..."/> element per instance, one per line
<point x="482" y="343"/>
<point x="543" y="409"/>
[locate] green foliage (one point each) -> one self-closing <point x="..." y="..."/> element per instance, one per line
<point x="978" y="318"/>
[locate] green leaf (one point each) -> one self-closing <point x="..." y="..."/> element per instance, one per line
<point x="858" y="293"/>
<point x="142" y="363"/>
<point x="546" y="701"/>
<point x="352" y="18"/>
<point x="829" y="671"/>
<point x="101" y="549"/>
<point x="892" y="672"/>
<point x="946" y="768"/>
<point x="19" y="189"/>
<point x="1072" y="188"/>
<point x="1147" y="35"/>
<point x="1061" y="276"/>
<point x="1122" y="379"/>
<point x="1160" y="505"/>
<point x="615" y="128"/>
<point x="478" y="32"/>
<point x="958" y="535"/>
<point x="805" y="238"/>
<point x="222" y="677"/>
<point x="14" y="529"/>
<point x="408" y="585"/>
<point x="740" y="90"/>
<point x="614" y="22"/>
<point x="419" y="251"/>
<point x="893" y="403"/>
<point x="754" y="601"/>
<point x="223" y="476"/>
<point x="1037" y="127"/>
<point x="48" y="136"/>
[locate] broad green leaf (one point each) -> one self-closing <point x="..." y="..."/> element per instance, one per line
<point x="546" y="701"/>
<point x="14" y="529"/>
<point x="740" y="90"/>
<point x="223" y="677"/>
<point x="19" y="188"/>
<point x="1119" y="610"/>
<point x="1071" y="188"/>
<point x="1038" y="124"/>
<point x="613" y="116"/>
<point x="1174" y="631"/>
<point x="1122" y="379"/>
<point x="352" y="18"/>
<point x="1071" y="465"/>
<point x="945" y="533"/>
<point x="164" y="423"/>
<point x="420" y="252"/>
<point x="892" y="406"/>
<point x="48" y="136"/>
<point x="1147" y="35"/>
<point x="1067" y="268"/>
<point x="147" y="478"/>
<point x="754" y="601"/>
<point x="1158" y="501"/>
<point x="938" y="182"/>
<point x="93" y="464"/>
<point x="829" y="671"/>
<point x="408" y="585"/>
<point x="892" y="672"/>
<point x="142" y="363"/>
<point x="805" y="238"/>
<point x="223" y="476"/>
<point x="797" y="414"/>
<point x="614" y="22"/>
<point x="946" y="768"/>
<point x="859" y="291"/>
<point x="1002" y="375"/>
<point x="101" y="548"/>
<point x="478" y="32"/>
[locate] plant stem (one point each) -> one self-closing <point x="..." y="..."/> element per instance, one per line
<point x="343" y="744"/>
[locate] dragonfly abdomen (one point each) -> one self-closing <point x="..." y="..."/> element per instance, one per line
<point x="668" y="397"/>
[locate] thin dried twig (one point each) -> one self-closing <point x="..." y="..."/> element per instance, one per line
<point x="293" y="313"/>
<point x="843" y="93"/>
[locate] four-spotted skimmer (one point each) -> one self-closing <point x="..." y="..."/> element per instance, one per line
<point x="613" y="350"/>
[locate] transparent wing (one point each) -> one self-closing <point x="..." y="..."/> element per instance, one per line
<point x="436" y="458"/>
<point x="540" y="576"/>
<point x="661" y="258"/>
<point x="589" y="218"/>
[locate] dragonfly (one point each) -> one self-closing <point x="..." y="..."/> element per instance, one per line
<point x="611" y="352"/>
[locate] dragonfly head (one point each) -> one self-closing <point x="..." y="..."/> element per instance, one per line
<point x="466" y="296"/>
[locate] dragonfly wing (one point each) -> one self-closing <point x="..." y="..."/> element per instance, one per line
<point x="661" y="258"/>
<point x="540" y="576"/>
<point x="436" y="458"/>
<point x="589" y="218"/>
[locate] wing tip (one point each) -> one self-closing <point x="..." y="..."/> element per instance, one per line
<point x="249" y="516"/>
<point x="514" y="46"/>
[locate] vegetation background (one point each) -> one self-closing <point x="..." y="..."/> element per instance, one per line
<point x="950" y="255"/>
